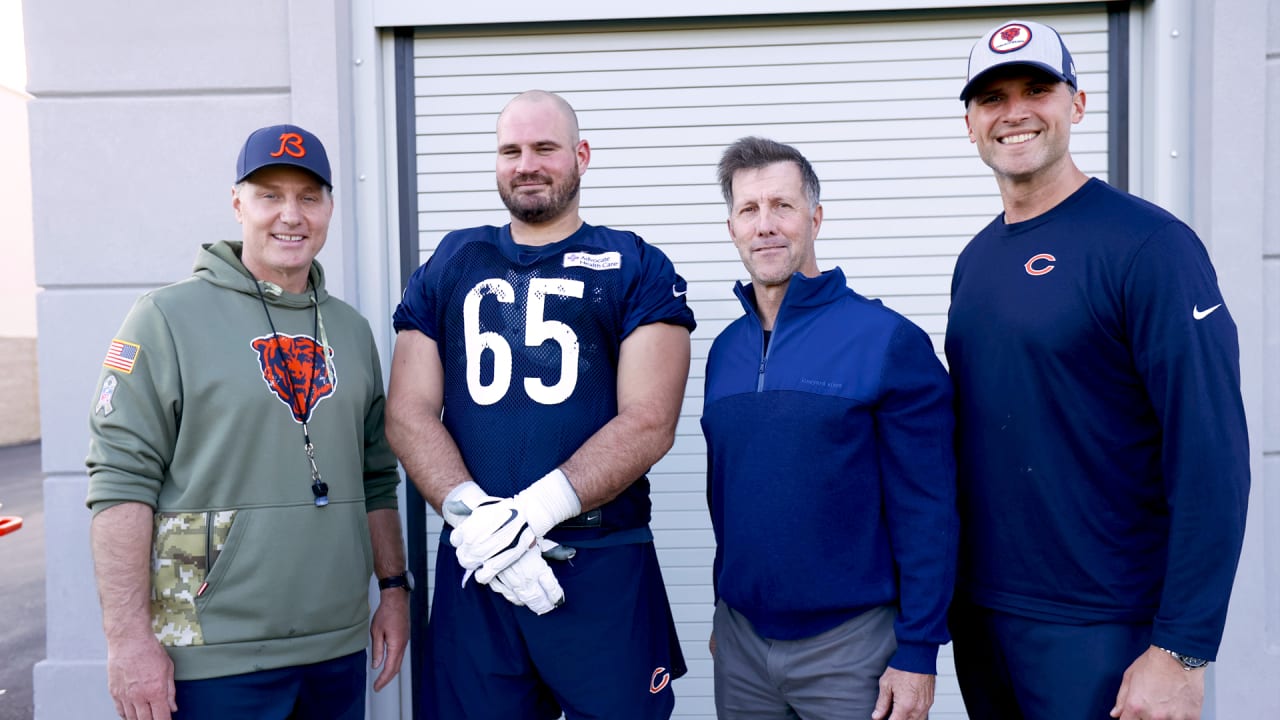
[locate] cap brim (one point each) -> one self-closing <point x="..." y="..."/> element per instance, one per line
<point x="969" y="87"/>
<point x="285" y="163"/>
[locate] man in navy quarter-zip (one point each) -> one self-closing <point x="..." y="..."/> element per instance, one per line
<point x="830" y="479"/>
<point x="1102" y="452"/>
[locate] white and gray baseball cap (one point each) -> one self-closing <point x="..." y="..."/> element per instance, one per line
<point x="1019" y="42"/>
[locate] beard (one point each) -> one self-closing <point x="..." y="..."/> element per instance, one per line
<point x="534" y="209"/>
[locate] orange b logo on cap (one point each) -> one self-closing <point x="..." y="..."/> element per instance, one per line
<point x="291" y="144"/>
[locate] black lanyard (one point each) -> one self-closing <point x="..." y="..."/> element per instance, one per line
<point x="319" y="488"/>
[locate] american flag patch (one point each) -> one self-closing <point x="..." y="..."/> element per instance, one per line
<point x="122" y="355"/>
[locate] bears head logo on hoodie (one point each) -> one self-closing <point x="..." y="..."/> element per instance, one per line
<point x="290" y="365"/>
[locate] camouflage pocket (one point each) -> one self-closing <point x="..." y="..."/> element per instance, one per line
<point x="185" y="548"/>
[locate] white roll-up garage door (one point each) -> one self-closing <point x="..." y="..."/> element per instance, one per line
<point x="871" y="102"/>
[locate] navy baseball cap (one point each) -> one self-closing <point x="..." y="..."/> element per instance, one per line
<point x="283" y="145"/>
<point x="1019" y="42"/>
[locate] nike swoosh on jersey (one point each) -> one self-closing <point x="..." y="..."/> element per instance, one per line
<point x="1199" y="314"/>
<point x="678" y="293"/>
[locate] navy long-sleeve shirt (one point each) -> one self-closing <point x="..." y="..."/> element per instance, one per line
<point x="1102" y="447"/>
<point x="831" y="471"/>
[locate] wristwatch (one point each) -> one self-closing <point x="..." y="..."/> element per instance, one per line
<point x="1188" y="662"/>
<point x="403" y="580"/>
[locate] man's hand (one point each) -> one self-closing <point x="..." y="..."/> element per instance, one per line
<point x="530" y="582"/>
<point x="1156" y="687"/>
<point x="909" y="695"/>
<point x="461" y="500"/>
<point x="140" y="679"/>
<point x="389" y="631"/>
<point x="492" y="538"/>
<point x="457" y="508"/>
<point x="498" y="533"/>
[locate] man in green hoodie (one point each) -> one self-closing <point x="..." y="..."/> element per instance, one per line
<point x="241" y="486"/>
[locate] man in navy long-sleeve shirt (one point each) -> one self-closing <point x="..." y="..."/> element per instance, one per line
<point x="1101" y="440"/>
<point x="831" y="475"/>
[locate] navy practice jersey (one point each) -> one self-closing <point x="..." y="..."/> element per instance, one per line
<point x="529" y="338"/>
<point x="1101" y="440"/>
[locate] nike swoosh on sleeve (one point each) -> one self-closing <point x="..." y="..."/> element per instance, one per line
<point x="1199" y="314"/>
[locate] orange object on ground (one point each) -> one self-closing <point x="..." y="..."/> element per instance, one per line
<point x="9" y="523"/>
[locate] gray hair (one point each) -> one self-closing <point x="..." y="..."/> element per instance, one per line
<point x="238" y="188"/>
<point x="751" y="153"/>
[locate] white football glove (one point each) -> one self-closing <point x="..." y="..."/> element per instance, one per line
<point x="457" y="507"/>
<point x="498" y="532"/>
<point x="530" y="582"/>
<point x="461" y="500"/>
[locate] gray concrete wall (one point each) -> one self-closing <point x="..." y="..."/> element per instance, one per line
<point x="138" y="114"/>
<point x="1235" y="106"/>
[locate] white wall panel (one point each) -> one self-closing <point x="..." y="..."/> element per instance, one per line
<point x="416" y="12"/>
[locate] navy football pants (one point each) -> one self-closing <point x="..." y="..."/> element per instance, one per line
<point x="609" y="653"/>
<point x="1018" y="668"/>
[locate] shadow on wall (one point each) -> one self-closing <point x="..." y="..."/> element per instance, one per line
<point x="19" y="391"/>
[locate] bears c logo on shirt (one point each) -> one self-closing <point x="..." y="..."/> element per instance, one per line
<point x="1039" y="264"/>
<point x="659" y="680"/>
<point x="290" y="365"/>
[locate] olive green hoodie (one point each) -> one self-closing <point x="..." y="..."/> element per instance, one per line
<point x="197" y="416"/>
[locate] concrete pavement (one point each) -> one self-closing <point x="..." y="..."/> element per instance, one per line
<point x="22" y="560"/>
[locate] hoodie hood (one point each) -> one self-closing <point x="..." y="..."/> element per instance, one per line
<point x="219" y="263"/>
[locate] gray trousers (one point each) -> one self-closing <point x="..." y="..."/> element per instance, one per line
<point x="831" y="676"/>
